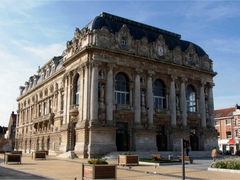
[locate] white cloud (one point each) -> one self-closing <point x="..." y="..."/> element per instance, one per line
<point x="222" y="102"/>
<point x="15" y="70"/>
<point x="210" y="10"/>
<point x="43" y="52"/>
<point x="20" y="7"/>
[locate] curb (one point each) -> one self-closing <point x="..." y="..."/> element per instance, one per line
<point x="224" y="170"/>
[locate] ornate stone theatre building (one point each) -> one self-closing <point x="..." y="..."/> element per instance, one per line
<point x="119" y="85"/>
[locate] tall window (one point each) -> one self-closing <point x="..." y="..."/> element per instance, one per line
<point x="50" y="106"/>
<point x="191" y="99"/>
<point x="39" y="110"/>
<point x="228" y="121"/>
<point x="62" y="102"/>
<point x="229" y="135"/>
<point x="159" y="94"/>
<point x="44" y="109"/>
<point x="236" y="133"/>
<point x="121" y="89"/>
<point x="77" y="90"/>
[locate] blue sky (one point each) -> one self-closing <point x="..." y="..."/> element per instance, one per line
<point x="32" y="32"/>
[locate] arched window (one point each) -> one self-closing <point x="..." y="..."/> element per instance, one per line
<point x="159" y="94"/>
<point x="121" y="89"/>
<point x="191" y="99"/>
<point x="77" y="90"/>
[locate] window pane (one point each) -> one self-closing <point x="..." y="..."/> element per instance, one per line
<point x="121" y="89"/>
<point x="191" y="99"/>
<point x="159" y="94"/>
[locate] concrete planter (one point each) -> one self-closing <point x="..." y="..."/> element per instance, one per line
<point x="128" y="160"/>
<point x="99" y="171"/>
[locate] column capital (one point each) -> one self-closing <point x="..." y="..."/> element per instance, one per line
<point x="203" y="82"/>
<point x="211" y="84"/>
<point x="138" y="70"/>
<point x="85" y="65"/>
<point x="184" y="79"/>
<point x="79" y="70"/>
<point x="151" y="73"/>
<point x="110" y="66"/>
<point x="96" y="63"/>
<point x="173" y="76"/>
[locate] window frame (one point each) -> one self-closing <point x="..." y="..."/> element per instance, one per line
<point x="159" y="95"/>
<point x="121" y="89"/>
<point x="191" y="99"/>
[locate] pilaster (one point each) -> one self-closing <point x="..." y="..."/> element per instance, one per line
<point x="183" y="102"/>
<point x="202" y="104"/>
<point x="150" y="97"/>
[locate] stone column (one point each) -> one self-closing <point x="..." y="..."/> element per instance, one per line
<point x="85" y="92"/>
<point x="202" y="105"/>
<point x="65" y="99"/>
<point x="109" y="93"/>
<point x="80" y="107"/>
<point x="183" y="102"/>
<point x="150" y="97"/>
<point x="94" y="92"/>
<point x="211" y="104"/>
<point x="137" y="99"/>
<point x="172" y="101"/>
<point x="69" y="96"/>
<point x="59" y="100"/>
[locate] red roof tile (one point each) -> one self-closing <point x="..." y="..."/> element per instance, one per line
<point x="223" y="112"/>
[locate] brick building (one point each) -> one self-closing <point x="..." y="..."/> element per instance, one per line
<point x="226" y="123"/>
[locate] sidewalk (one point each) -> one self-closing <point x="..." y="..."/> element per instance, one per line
<point x="70" y="169"/>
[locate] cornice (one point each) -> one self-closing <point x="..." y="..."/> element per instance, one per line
<point x="89" y="48"/>
<point x="62" y="70"/>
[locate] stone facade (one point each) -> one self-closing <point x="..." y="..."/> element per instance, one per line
<point x="120" y="85"/>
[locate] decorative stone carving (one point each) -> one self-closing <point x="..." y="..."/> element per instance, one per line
<point x="124" y="38"/>
<point x="101" y="115"/>
<point x="177" y="55"/>
<point x="103" y="38"/>
<point x="161" y="119"/>
<point x="143" y="47"/>
<point x="123" y="116"/>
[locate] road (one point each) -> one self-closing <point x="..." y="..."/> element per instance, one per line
<point x="7" y="173"/>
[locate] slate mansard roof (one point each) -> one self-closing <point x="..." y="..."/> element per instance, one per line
<point x="114" y="24"/>
<point x="140" y="30"/>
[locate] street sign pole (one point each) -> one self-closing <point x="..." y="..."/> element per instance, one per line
<point x="183" y="160"/>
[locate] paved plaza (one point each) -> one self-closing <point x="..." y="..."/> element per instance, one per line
<point x="71" y="169"/>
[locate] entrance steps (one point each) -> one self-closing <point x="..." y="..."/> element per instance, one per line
<point x="164" y="154"/>
<point x="69" y="154"/>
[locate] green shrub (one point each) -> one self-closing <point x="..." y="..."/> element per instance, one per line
<point x="98" y="160"/>
<point x="228" y="163"/>
<point x="127" y="153"/>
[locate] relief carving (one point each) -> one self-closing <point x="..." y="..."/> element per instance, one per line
<point x="177" y="55"/>
<point x="124" y="38"/>
<point x="143" y="47"/>
<point x="103" y="38"/>
<point x="123" y="116"/>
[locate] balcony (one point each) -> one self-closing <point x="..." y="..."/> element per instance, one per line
<point x="44" y="118"/>
<point x="123" y="107"/>
<point x="161" y="111"/>
<point x="73" y="110"/>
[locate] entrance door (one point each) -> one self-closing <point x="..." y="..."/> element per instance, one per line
<point x="194" y="142"/>
<point x="122" y="137"/>
<point x="161" y="138"/>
